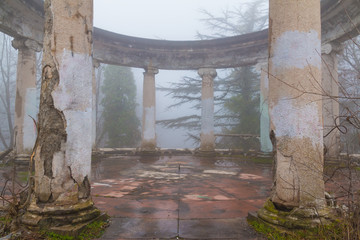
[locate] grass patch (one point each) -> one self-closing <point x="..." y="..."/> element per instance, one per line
<point x="334" y="231"/>
<point x="91" y="231"/>
<point x="23" y="176"/>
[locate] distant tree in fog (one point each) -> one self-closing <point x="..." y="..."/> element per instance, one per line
<point x="120" y="123"/>
<point x="236" y="91"/>
<point x="349" y="78"/>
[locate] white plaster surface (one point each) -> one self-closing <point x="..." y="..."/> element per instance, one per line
<point x="266" y="83"/>
<point x="93" y="124"/>
<point x="295" y="122"/>
<point x="149" y="126"/>
<point x="31" y="109"/>
<point x="207" y="116"/>
<point x="296" y="49"/>
<point x="265" y="143"/>
<point x="73" y="96"/>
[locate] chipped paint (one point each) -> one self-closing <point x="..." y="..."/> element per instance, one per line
<point x="248" y="176"/>
<point x="73" y="96"/>
<point x="297" y="49"/>
<point x="297" y="122"/>
<point x="149" y="126"/>
<point x="101" y="184"/>
<point x="160" y="175"/>
<point x="219" y="172"/>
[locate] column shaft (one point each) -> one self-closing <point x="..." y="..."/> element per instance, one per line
<point x="296" y="116"/>
<point x="61" y="194"/>
<point x="25" y="101"/>
<point x="265" y="142"/>
<point x="148" y="141"/>
<point x="94" y="107"/>
<point x="207" y="137"/>
<point x="330" y="104"/>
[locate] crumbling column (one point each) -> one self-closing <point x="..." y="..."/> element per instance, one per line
<point x="265" y="143"/>
<point x="295" y="109"/>
<point x="207" y="138"/>
<point x="25" y="101"/>
<point x="148" y="140"/>
<point x="61" y="197"/>
<point x="330" y="84"/>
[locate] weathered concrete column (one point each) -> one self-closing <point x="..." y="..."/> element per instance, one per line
<point x="25" y="101"/>
<point x="265" y="143"/>
<point x="296" y="115"/>
<point x="148" y="140"/>
<point x="61" y="197"/>
<point x="207" y="138"/>
<point x="330" y="85"/>
<point x="96" y="64"/>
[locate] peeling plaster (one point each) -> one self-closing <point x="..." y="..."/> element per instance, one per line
<point x="295" y="122"/>
<point x="207" y="116"/>
<point x="149" y="125"/>
<point x="296" y="49"/>
<point x="73" y="96"/>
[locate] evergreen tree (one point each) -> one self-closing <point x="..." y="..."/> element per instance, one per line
<point x="236" y="96"/>
<point x="121" y="124"/>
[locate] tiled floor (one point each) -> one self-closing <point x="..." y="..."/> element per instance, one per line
<point x="180" y="196"/>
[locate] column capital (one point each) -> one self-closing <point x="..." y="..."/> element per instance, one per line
<point x="207" y="72"/>
<point x="25" y="43"/>
<point x="151" y="70"/>
<point x="332" y="47"/>
<point x="262" y="64"/>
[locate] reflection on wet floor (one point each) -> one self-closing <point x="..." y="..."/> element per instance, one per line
<point x="185" y="196"/>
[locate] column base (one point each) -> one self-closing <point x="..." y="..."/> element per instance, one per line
<point x="149" y="152"/>
<point x="61" y="219"/>
<point x="22" y="159"/>
<point x="297" y="218"/>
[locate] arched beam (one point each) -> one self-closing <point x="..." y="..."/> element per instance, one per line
<point x="227" y="52"/>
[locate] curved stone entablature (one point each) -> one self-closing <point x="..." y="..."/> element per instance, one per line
<point x="24" y="18"/>
<point x="340" y="20"/>
<point x="227" y="52"/>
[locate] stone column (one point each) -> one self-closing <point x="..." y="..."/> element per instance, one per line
<point x="296" y="115"/>
<point x="207" y="138"/>
<point x="25" y="101"/>
<point x="330" y="84"/>
<point x="61" y="197"/>
<point x="265" y="143"/>
<point x="96" y="64"/>
<point x="148" y="140"/>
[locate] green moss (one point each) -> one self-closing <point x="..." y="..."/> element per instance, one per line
<point x="23" y="175"/>
<point x="268" y="231"/>
<point x="55" y="236"/>
<point x="92" y="231"/>
<point x="335" y="231"/>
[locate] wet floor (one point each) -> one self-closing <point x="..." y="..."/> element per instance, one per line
<point x="180" y="196"/>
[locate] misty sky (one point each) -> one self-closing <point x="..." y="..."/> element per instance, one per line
<point x="160" y="19"/>
<point x="164" y="19"/>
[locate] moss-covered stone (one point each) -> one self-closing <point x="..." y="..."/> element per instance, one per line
<point x="297" y="218"/>
<point x="332" y="230"/>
